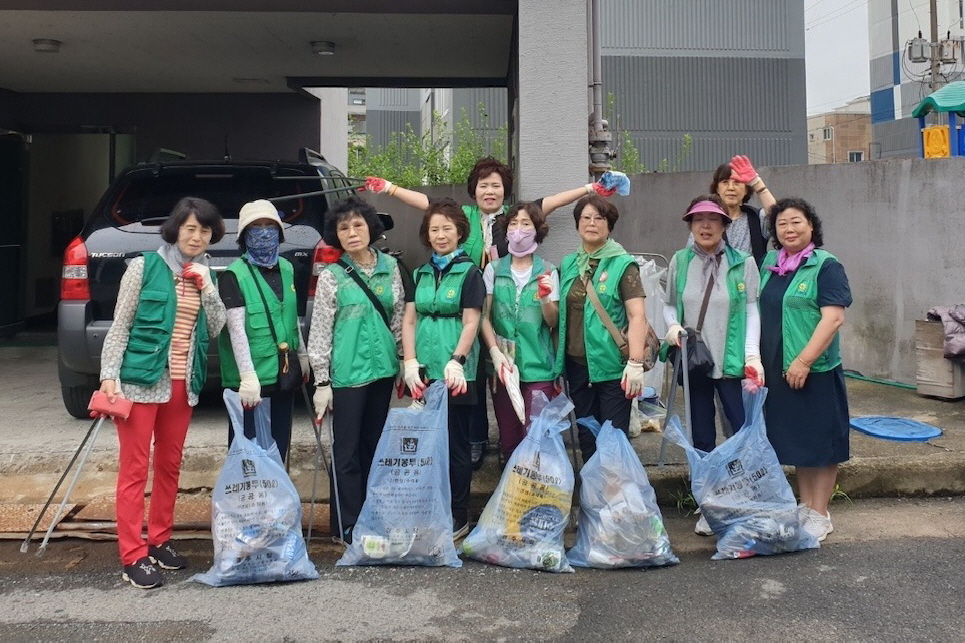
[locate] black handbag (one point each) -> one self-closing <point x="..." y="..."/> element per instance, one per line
<point x="699" y="360"/>
<point x="290" y="375"/>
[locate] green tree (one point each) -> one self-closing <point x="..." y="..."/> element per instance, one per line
<point x="628" y="158"/>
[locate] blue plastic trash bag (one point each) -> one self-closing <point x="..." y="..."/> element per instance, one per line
<point x="618" y="180"/>
<point x="742" y="491"/>
<point x="620" y="524"/>
<point x="406" y="518"/>
<point x="256" y="513"/>
<point x="523" y="522"/>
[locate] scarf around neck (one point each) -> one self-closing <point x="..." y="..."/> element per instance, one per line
<point x="710" y="261"/>
<point x="441" y="261"/>
<point x="609" y="249"/>
<point x="176" y="260"/>
<point x="790" y="262"/>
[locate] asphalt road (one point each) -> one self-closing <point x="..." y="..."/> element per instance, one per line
<point x="891" y="571"/>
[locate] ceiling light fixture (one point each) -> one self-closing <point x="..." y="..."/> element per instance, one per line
<point x="47" y="46"/>
<point x="323" y="48"/>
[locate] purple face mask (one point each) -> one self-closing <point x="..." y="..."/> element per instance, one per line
<point x="521" y="242"/>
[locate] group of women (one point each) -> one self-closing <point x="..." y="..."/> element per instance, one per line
<point x="485" y="283"/>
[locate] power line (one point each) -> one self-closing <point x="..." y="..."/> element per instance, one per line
<point x="817" y="22"/>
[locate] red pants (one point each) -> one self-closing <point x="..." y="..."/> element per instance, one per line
<point x="511" y="430"/>
<point x="167" y="424"/>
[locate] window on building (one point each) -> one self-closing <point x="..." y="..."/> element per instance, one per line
<point x="828" y="133"/>
<point x="811" y="136"/>
<point x="855" y="157"/>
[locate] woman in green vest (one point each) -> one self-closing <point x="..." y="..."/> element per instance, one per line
<point x="258" y="290"/>
<point x="712" y="290"/>
<point x="804" y="291"/>
<point x="156" y="349"/>
<point x="439" y="337"/>
<point x="521" y="312"/>
<point x="602" y="383"/>
<point x="353" y="344"/>
<point x="490" y="183"/>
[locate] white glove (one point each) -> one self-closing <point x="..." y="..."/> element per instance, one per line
<point x="250" y="389"/>
<point x="410" y="373"/>
<point x="199" y="273"/>
<point x="632" y="382"/>
<point x="754" y="370"/>
<point x="305" y="366"/>
<point x="501" y="363"/>
<point x="322" y="401"/>
<point x="673" y="334"/>
<point x="455" y="377"/>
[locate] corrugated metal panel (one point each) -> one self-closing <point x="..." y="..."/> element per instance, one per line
<point x="895" y="138"/>
<point x="664" y="26"/>
<point x="882" y="72"/>
<point x="492" y="98"/>
<point x="381" y="124"/>
<point x="392" y="98"/>
<point x="660" y="152"/>
<point x="707" y="94"/>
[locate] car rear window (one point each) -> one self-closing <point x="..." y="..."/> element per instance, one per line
<point x="143" y="196"/>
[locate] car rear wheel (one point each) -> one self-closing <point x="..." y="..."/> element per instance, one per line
<point x="76" y="399"/>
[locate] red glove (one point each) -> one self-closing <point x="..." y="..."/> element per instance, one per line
<point x="544" y="286"/>
<point x="599" y="189"/>
<point x="189" y="275"/>
<point x="374" y="184"/>
<point x="742" y="167"/>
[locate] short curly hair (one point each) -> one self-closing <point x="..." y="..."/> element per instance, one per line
<point x="535" y="215"/>
<point x="204" y="211"/>
<point x="450" y="210"/>
<point x="817" y="234"/>
<point x="351" y="207"/>
<point x="603" y="206"/>
<point x="722" y="173"/>
<point x="483" y="168"/>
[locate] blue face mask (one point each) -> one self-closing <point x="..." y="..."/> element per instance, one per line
<point x="262" y="245"/>
<point x="441" y="261"/>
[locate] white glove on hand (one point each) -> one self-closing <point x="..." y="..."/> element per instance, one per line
<point x="322" y="401"/>
<point x="410" y="373"/>
<point x="305" y="366"/>
<point x="754" y="370"/>
<point x="632" y="382"/>
<point x="250" y="390"/>
<point x="455" y="377"/>
<point x="200" y="272"/>
<point x="673" y="335"/>
<point x="501" y="363"/>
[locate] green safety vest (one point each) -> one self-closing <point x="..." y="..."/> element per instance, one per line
<point x="440" y="318"/>
<point x="800" y="312"/>
<point x="363" y="348"/>
<point x="603" y="358"/>
<point x="733" y="365"/>
<point x="474" y="243"/>
<point x="283" y="315"/>
<point x="149" y="341"/>
<point x="521" y="321"/>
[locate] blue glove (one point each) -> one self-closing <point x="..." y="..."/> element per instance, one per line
<point x="618" y="180"/>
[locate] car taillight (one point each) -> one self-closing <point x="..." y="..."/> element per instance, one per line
<point x="74" y="284"/>
<point x="322" y="256"/>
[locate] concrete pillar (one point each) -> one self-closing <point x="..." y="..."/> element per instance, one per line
<point x="551" y="110"/>
<point x="333" y="107"/>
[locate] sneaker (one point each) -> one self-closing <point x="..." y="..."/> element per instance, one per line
<point x="702" y="528"/>
<point x="477" y="454"/>
<point x="818" y="525"/>
<point x="143" y="574"/>
<point x="166" y="557"/>
<point x="345" y="539"/>
<point x="459" y="529"/>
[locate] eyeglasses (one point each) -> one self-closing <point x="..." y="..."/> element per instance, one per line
<point x="586" y="218"/>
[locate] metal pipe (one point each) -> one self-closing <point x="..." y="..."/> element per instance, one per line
<point x="597" y="79"/>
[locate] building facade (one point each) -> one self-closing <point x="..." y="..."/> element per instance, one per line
<point x="842" y="135"/>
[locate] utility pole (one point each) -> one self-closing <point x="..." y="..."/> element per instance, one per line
<point x="933" y="16"/>
<point x="936" y="52"/>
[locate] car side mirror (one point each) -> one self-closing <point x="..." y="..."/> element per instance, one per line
<point x="387" y="222"/>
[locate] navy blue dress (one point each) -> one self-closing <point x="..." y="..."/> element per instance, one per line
<point x="808" y="427"/>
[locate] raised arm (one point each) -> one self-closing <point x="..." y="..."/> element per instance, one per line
<point x="551" y="203"/>
<point x="378" y="185"/>
<point x="744" y="169"/>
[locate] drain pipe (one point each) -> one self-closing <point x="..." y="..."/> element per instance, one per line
<point x="599" y="130"/>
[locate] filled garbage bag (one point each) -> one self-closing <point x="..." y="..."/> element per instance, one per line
<point x="742" y="491"/>
<point x="523" y="522"/>
<point x="256" y="513"/>
<point x="620" y="524"/>
<point x="406" y="518"/>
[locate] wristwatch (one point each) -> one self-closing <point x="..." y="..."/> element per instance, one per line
<point x="459" y="358"/>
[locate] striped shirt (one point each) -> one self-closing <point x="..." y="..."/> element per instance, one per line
<point x="189" y="301"/>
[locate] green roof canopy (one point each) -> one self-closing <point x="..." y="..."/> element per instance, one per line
<point x="950" y="98"/>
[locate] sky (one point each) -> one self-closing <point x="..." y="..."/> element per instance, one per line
<point x="836" y="52"/>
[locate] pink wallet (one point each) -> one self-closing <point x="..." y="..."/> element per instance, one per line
<point x="101" y="405"/>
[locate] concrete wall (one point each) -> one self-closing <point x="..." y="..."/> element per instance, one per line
<point x="272" y="126"/>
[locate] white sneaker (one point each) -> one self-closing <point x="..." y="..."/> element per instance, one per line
<point x="702" y="528"/>
<point x="818" y="524"/>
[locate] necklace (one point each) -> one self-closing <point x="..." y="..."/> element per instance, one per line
<point x="367" y="264"/>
